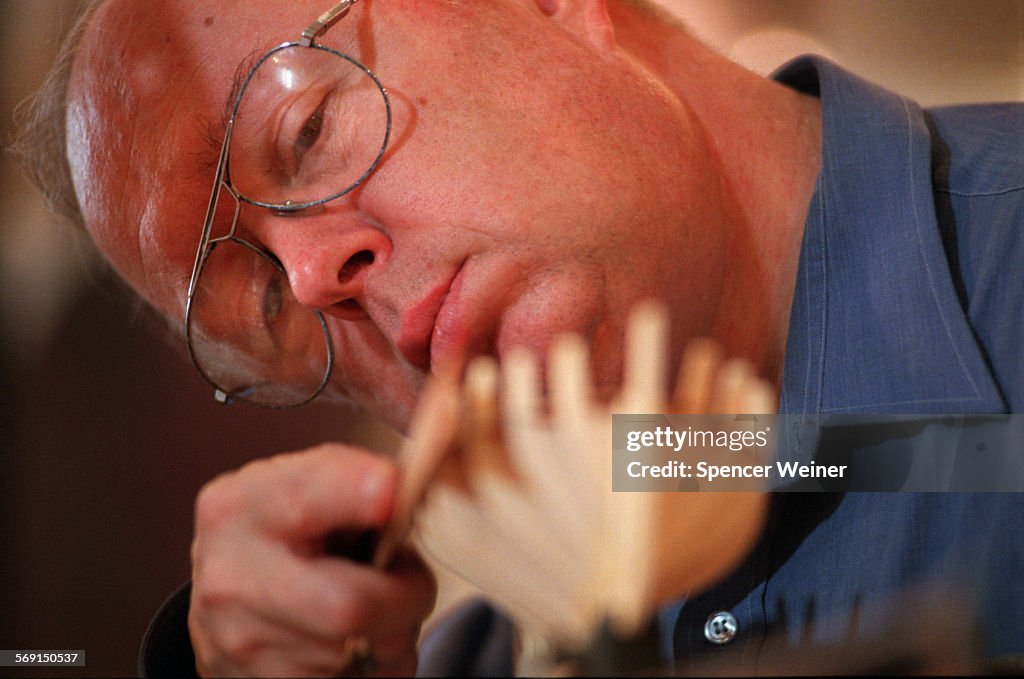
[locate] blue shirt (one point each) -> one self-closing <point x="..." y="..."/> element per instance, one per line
<point x="909" y="299"/>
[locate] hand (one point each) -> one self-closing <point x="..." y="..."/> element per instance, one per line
<point x="266" y="597"/>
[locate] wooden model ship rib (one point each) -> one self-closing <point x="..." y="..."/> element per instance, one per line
<point x="513" y="491"/>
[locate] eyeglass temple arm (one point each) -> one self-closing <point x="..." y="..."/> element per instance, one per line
<point x="325" y="21"/>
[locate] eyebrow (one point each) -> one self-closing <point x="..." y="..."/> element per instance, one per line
<point x="216" y="129"/>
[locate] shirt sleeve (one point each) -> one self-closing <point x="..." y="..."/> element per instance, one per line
<point x="167" y="649"/>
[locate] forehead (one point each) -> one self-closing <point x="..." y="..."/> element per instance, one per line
<point x="145" y="116"/>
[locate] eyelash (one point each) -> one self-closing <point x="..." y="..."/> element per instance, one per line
<point x="311" y="131"/>
<point x="273" y="302"/>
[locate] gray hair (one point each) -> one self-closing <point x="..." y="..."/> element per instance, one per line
<point x="39" y="145"/>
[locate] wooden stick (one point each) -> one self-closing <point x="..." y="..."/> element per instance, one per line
<point x="432" y="435"/>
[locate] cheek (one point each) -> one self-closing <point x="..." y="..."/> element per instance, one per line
<point x="577" y="305"/>
<point x="569" y="298"/>
<point x="368" y="372"/>
<point x="458" y="151"/>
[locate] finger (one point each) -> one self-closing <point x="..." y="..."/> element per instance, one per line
<point x="245" y="644"/>
<point x="332" y="599"/>
<point x="302" y="495"/>
<point x="303" y="610"/>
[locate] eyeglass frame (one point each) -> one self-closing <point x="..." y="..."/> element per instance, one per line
<point x="222" y="182"/>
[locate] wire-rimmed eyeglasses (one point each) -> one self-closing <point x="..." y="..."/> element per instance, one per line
<point x="308" y="125"/>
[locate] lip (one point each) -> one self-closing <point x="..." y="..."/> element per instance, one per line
<point x="418" y="325"/>
<point x="449" y="338"/>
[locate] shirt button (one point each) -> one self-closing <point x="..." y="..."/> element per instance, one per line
<point x="721" y="628"/>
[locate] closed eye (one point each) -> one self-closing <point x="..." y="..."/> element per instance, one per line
<point x="273" y="301"/>
<point x="310" y="132"/>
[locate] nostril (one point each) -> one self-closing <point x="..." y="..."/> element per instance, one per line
<point x="354" y="264"/>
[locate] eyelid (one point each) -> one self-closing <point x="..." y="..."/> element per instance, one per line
<point x="301" y="145"/>
<point x="276" y="272"/>
<point x="294" y="118"/>
<point x="273" y="282"/>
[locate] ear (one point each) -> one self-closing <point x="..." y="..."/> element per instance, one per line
<point x="587" y="19"/>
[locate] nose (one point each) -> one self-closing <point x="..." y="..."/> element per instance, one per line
<point x="329" y="260"/>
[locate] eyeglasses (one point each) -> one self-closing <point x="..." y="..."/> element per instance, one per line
<point x="308" y="125"/>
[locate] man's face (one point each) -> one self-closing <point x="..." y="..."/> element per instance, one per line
<point x="535" y="183"/>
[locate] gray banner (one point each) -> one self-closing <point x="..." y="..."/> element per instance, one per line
<point x="819" y="453"/>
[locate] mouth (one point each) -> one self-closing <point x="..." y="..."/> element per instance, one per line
<point x="428" y="325"/>
<point x="449" y="338"/>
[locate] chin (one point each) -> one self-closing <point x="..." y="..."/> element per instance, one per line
<point x="603" y="342"/>
<point x="394" y="404"/>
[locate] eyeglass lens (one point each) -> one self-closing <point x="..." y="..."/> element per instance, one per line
<point x="309" y="125"/>
<point x="249" y="334"/>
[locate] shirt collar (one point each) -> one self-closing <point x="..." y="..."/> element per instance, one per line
<point x="876" y="325"/>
